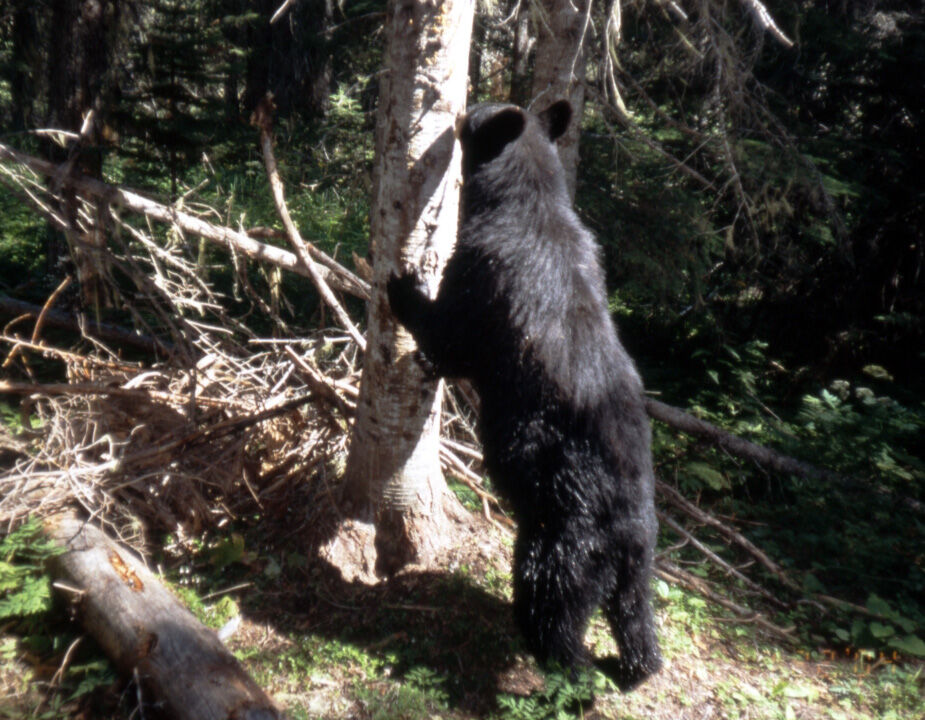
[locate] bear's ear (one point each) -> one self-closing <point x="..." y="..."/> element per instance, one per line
<point x="485" y="139"/>
<point x="555" y="119"/>
<point x="503" y="127"/>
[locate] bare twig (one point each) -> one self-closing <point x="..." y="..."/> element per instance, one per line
<point x="672" y="573"/>
<point x="765" y="20"/>
<point x="717" y="560"/>
<point x="262" y="118"/>
<point x="701" y="516"/>
<point x="281" y="10"/>
<point x="40" y="319"/>
<point x="106" y="331"/>
<point x="321" y="385"/>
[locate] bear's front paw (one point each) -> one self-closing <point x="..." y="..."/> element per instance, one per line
<point x="431" y="372"/>
<point x="404" y="292"/>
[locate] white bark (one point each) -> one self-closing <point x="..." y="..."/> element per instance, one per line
<point x="393" y="466"/>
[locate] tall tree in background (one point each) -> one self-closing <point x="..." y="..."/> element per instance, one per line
<point x="559" y="70"/>
<point x="81" y="70"/>
<point x="520" y="55"/>
<point x="393" y="473"/>
<point x="179" y="85"/>
<point x="80" y="79"/>
<point x="24" y="62"/>
<point x="290" y="57"/>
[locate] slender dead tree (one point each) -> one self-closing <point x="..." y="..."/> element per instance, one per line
<point x="393" y="474"/>
<point x="80" y="80"/>
<point x="524" y="42"/>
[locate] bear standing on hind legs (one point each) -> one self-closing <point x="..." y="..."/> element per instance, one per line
<point x="522" y="312"/>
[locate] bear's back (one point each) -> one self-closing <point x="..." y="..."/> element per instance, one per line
<point x="539" y="268"/>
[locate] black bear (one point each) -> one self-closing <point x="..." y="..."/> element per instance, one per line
<point x="522" y="312"/>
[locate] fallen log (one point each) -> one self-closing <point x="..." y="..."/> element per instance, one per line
<point x="181" y="665"/>
<point x="764" y="456"/>
<point x="685" y="422"/>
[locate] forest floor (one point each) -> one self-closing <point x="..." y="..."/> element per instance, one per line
<point x="441" y="645"/>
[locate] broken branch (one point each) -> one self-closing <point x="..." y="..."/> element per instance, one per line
<point x="262" y="118"/>
<point x="332" y="272"/>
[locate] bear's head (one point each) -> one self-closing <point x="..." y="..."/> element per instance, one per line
<point x="499" y="137"/>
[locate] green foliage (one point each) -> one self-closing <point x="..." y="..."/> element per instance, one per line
<point x="25" y="602"/>
<point x="894" y="694"/>
<point x="850" y="428"/>
<point x="419" y="696"/>
<point x="891" y="631"/>
<point x="22" y="238"/>
<point x="465" y="495"/>
<point x="11" y="417"/>
<point x="563" y="697"/>
<point x="172" y="107"/>
<point x="854" y="538"/>
<point x="335" y="221"/>
<point x="684" y="609"/>
<point x="214" y="615"/>
<point x="227" y="551"/>
<point x="92" y="675"/>
<point x="656" y="235"/>
<point x="799" y="181"/>
<point x="25" y="589"/>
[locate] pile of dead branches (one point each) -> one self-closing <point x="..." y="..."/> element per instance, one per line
<point x="178" y="448"/>
<point x="225" y="419"/>
<point x="222" y="420"/>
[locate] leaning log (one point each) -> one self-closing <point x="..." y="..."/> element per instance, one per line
<point x="334" y="274"/>
<point x="766" y="457"/>
<point x="182" y="667"/>
<point x="685" y="422"/>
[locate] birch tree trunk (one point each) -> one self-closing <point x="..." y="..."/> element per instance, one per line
<point x="559" y="71"/>
<point x="393" y="473"/>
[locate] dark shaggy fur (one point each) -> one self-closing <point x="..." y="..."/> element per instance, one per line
<point x="522" y="312"/>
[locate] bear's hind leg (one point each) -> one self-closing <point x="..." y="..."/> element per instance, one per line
<point x="628" y="609"/>
<point x="556" y="588"/>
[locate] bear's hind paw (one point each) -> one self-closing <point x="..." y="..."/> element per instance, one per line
<point x="628" y="676"/>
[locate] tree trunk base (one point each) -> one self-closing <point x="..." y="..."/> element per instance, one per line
<point x="351" y="550"/>
<point x="404" y="541"/>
